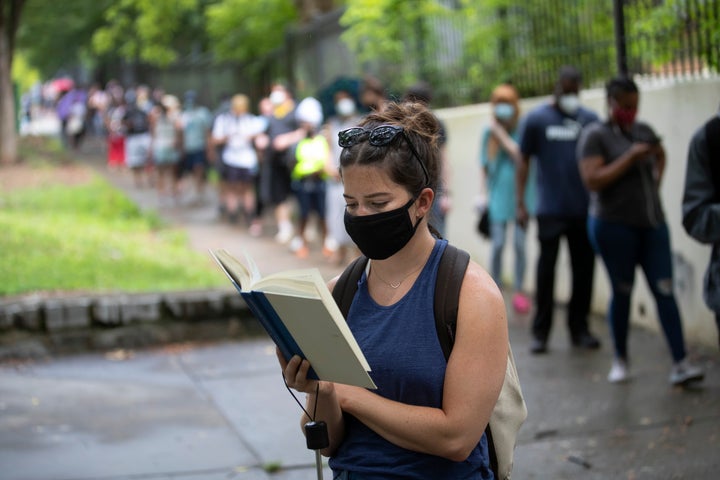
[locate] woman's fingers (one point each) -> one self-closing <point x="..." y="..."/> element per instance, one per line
<point x="295" y="372"/>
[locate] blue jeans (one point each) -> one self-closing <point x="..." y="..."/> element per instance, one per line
<point x="345" y="475"/>
<point x="622" y="248"/>
<point x="498" y="231"/>
<point x="310" y="194"/>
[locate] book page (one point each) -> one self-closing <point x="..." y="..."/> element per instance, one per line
<point x="236" y="271"/>
<point x="301" y="282"/>
<point x="325" y="341"/>
<point x="254" y="271"/>
<point x="304" y="282"/>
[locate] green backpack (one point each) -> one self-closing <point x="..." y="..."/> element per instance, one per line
<point x="510" y="411"/>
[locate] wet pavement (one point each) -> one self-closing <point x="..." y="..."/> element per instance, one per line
<point x="220" y="410"/>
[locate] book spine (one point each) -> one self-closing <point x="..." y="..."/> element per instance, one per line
<point x="264" y="312"/>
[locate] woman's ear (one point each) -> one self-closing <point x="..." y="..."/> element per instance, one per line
<point x="424" y="201"/>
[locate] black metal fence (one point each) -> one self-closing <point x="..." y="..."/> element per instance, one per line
<point x="531" y="40"/>
<point x="467" y="52"/>
<point x="526" y="43"/>
<point x="688" y="42"/>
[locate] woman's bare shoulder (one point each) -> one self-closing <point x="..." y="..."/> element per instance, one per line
<point x="479" y="285"/>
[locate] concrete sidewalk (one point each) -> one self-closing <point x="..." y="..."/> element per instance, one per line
<point x="220" y="411"/>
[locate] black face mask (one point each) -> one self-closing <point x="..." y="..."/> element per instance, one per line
<point x="381" y="235"/>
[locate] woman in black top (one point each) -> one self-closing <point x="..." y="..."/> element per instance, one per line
<point x="622" y="162"/>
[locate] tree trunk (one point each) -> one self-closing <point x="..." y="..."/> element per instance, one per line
<point x="9" y="21"/>
<point x="8" y="135"/>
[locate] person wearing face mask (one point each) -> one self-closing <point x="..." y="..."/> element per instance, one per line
<point x="234" y="132"/>
<point x="549" y="139"/>
<point x="282" y="133"/>
<point x="499" y="155"/>
<point x="622" y="162"/>
<point x="312" y="155"/>
<point x="427" y="417"/>
<point x="346" y="116"/>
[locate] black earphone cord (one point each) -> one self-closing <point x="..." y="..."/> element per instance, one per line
<point x="317" y="392"/>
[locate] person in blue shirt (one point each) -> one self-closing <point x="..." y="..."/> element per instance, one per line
<point x="428" y="416"/>
<point x="499" y="155"/>
<point x="549" y="138"/>
<point x="195" y="126"/>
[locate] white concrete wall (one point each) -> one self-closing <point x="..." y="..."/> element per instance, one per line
<point x="675" y="109"/>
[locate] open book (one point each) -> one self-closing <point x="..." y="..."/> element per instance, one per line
<point x="299" y="313"/>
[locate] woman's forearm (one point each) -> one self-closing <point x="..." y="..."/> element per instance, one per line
<point x="326" y="408"/>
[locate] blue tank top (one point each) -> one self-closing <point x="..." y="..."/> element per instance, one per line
<point x="401" y="345"/>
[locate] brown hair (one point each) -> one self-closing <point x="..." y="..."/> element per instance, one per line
<point x="421" y="128"/>
<point x="503" y="93"/>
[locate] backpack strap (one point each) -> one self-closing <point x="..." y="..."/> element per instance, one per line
<point x="346" y="286"/>
<point x="451" y="272"/>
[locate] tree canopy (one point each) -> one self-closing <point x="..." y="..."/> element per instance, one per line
<point x="150" y="31"/>
<point x="56" y="35"/>
<point x="246" y="30"/>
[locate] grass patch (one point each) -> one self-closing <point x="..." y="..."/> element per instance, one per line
<point x="90" y="237"/>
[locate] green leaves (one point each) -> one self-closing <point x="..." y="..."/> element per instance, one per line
<point x="53" y="35"/>
<point x="384" y="29"/>
<point x="246" y="30"/>
<point x="144" y="29"/>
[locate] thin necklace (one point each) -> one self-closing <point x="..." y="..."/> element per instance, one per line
<point x="396" y="285"/>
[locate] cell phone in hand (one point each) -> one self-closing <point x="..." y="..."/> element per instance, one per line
<point x="652" y="140"/>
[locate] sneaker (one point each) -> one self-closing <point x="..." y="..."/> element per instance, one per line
<point x="618" y="372"/>
<point x="296" y="244"/>
<point x="684" y="373"/>
<point x="521" y="303"/>
<point x="303" y="252"/>
<point x="285" y="233"/>
<point x="538" y="346"/>
<point x="586" y="340"/>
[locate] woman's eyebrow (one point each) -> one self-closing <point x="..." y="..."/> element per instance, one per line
<point x="371" y="195"/>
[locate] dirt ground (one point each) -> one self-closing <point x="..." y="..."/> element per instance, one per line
<point x="13" y="177"/>
<point x="42" y="163"/>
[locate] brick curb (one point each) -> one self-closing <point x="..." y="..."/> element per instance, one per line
<point x="35" y="326"/>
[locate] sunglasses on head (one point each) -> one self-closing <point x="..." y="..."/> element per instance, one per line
<point x="379" y="137"/>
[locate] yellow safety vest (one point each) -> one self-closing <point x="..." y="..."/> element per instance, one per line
<point x="311" y="155"/>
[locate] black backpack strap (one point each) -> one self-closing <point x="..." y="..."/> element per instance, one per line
<point x="451" y="272"/>
<point x="346" y="286"/>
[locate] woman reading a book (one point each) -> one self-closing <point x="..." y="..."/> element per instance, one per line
<point x="428" y="416"/>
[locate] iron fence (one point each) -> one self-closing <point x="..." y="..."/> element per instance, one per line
<point x="678" y="38"/>
<point x="465" y="56"/>
<point x="526" y="43"/>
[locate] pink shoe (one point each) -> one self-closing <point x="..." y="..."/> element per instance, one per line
<point x="521" y="303"/>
